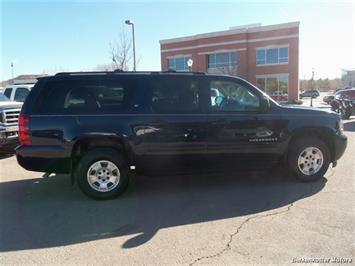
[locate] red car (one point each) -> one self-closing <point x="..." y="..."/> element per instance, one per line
<point x="279" y="97"/>
<point x="340" y="94"/>
<point x="348" y="94"/>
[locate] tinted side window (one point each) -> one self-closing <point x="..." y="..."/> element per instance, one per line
<point x="21" y="94"/>
<point x="7" y="92"/>
<point x="87" y="97"/>
<point x="174" y="95"/>
<point x="232" y="97"/>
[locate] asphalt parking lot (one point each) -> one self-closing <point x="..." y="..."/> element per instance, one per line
<point x="234" y="218"/>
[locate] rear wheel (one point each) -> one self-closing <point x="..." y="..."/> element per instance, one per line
<point x="102" y="174"/>
<point x="308" y="159"/>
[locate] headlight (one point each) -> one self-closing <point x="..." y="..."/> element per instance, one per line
<point x="340" y="127"/>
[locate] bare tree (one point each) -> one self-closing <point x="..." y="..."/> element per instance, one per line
<point x="121" y="52"/>
<point x="106" y="67"/>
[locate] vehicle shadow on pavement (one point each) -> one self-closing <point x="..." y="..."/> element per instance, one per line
<point x="49" y="212"/>
<point x="4" y="155"/>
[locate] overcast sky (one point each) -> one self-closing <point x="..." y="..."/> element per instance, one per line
<point x="46" y="37"/>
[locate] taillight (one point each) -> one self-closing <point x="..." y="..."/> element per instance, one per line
<point x="24" y="129"/>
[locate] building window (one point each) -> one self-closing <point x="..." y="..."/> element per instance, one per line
<point x="271" y="56"/>
<point x="221" y="60"/>
<point x="179" y="63"/>
<point x="275" y="86"/>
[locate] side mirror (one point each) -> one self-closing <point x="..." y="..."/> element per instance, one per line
<point x="264" y="104"/>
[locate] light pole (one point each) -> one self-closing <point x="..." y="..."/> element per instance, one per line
<point x="312" y="87"/>
<point x="12" y="69"/>
<point x="130" y="22"/>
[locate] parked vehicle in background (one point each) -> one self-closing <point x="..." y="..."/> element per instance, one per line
<point x="310" y="93"/>
<point x="344" y="103"/>
<point x="279" y="96"/>
<point x="344" y="93"/>
<point x="99" y="126"/>
<point x="9" y="112"/>
<point x="343" y="107"/>
<point x="17" y="92"/>
<point x="348" y="94"/>
<point x="328" y="98"/>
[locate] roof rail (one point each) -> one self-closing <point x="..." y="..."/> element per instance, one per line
<point x="121" y="71"/>
<point x="183" y="72"/>
<point x="82" y="73"/>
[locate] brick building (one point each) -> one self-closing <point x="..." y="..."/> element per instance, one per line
<point x="267" y="56"/>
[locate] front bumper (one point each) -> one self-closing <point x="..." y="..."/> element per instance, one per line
<point x="341" y="141"/>
<point x="8" y="139"/>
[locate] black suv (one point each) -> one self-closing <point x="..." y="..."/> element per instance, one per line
<point x="100" y="126"/>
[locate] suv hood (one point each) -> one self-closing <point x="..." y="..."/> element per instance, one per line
<point x="9" y="104"/>
<point x="304" y="110"/>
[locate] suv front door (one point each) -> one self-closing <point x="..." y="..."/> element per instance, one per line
<point x="238" y="130"/>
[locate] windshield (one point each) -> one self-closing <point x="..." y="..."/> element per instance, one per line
<point x="3" y="98"/>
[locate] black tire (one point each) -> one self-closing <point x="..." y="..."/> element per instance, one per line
<point x="102" y="154"/>
<point x="347" y="114"/>
<point x="344" y="115"/>
<point x="295" y="150"/>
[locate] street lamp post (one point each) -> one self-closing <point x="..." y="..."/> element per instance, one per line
<point x="130" y="22"/>
<point x="312" y="86"/>
<point x="12" y="69"/>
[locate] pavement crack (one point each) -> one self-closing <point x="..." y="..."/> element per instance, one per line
<point x="239" y="228"/>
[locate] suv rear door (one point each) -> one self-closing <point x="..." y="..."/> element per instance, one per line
<point x="175" y="129"/>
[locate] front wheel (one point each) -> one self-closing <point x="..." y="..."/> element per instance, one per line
<point x="102" y="174"/>
<point x="308" y="159"/>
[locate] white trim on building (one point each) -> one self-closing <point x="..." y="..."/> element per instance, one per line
<point x="229" y="43"/>
<point x="178" y="56"/>
<point x="233" y="31"/>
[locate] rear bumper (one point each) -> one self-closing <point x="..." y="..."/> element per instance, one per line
<point x="51" y="159"/>
<point x="341" y="141"/>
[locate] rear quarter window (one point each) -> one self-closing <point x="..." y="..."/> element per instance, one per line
<point x="21" y="94"/>
<point x="7" y="92"/>
<point x="87" y="96"/>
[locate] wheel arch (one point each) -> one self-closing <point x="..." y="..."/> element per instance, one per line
<point x="323" y="133"/>
<point x="85" y="144"/>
